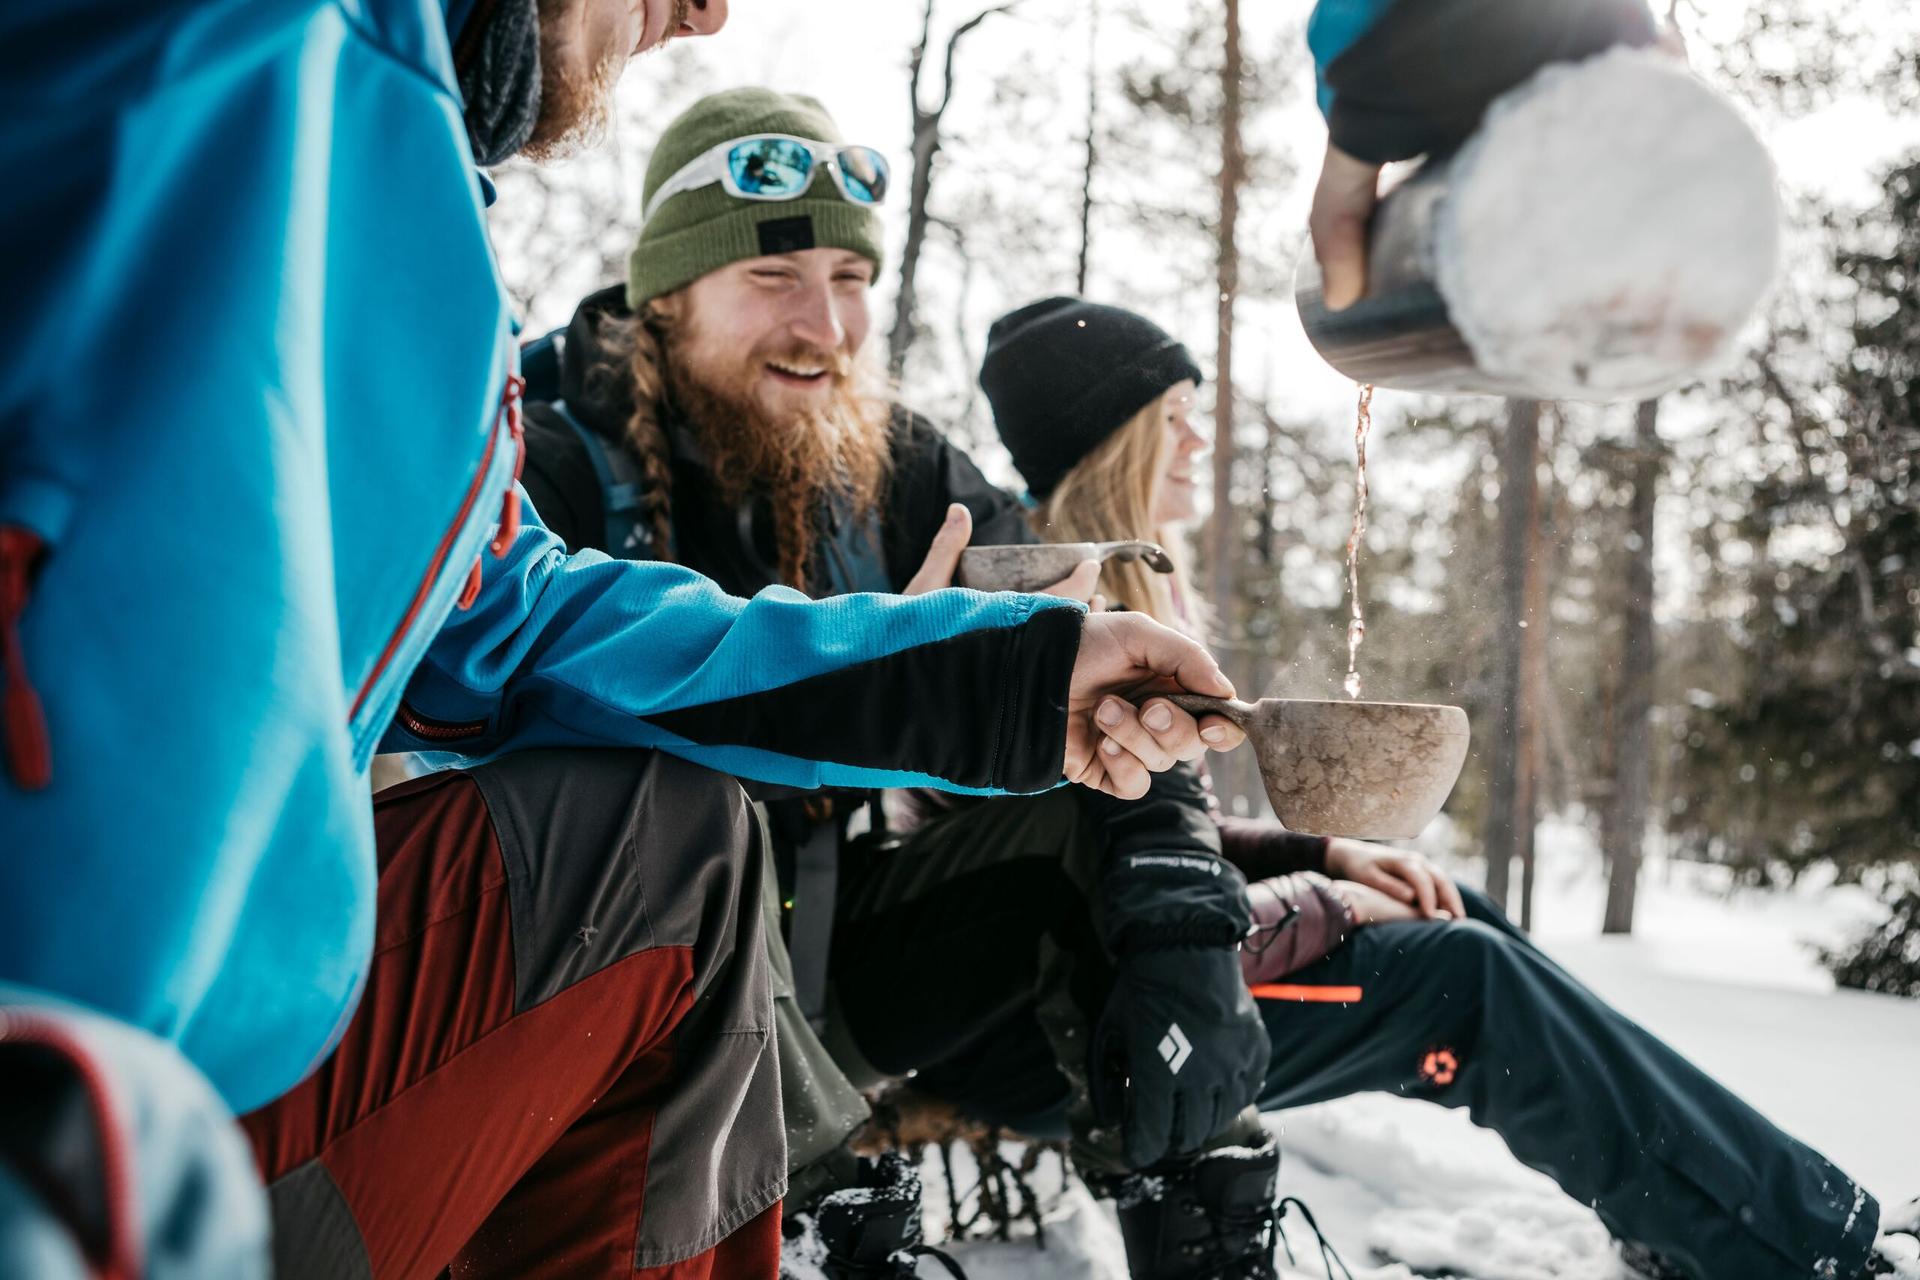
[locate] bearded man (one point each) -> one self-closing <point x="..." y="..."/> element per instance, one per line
<point x="722" y="409"/>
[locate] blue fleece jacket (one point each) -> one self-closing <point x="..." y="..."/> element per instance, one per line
<point x="256" y="436"/>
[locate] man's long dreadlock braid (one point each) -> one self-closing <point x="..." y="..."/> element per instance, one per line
<point x="637" y="374"/>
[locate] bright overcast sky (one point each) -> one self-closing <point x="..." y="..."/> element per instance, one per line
<point x="852" y="54"/>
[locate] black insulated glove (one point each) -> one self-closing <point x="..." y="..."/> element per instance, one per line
<point x="1180" y="1049"/>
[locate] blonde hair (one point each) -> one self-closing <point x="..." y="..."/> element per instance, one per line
<point x="1109" y="496"/>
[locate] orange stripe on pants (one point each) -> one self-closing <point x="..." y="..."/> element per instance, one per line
<point x="1305" y="994"/>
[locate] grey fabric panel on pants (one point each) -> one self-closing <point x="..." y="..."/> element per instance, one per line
<point x="816" y="876"/>
<point x="313" y="1230"/>
<point x="697" y="861"/>
<point x="1471" y="1014"/>
<point x="822" y="1106"/>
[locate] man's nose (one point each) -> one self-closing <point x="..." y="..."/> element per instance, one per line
<point x="704" y="17"/>
<point x="816" y="319"/>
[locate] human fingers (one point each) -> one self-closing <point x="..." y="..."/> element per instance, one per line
<point x="1343" y="202"/>
<point x="1078" y="585"/>
<point x="943" y="554"/>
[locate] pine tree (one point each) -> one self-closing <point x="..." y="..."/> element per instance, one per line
<point x="1819" y="748"/>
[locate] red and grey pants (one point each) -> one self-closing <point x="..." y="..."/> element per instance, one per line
<point x="563" y="1064"/>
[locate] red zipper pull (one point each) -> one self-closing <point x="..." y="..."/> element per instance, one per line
<point x="511" y="400"/>
<point x="509" y="523"/>
<point x="29" y="751"/>
<point x="471" y="591"/>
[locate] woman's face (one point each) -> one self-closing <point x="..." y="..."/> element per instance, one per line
<point x="1181" y="446"/>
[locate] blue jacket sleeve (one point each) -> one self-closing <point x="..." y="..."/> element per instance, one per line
<point x="955" y="689"/>
<point x="1403" y="78"/>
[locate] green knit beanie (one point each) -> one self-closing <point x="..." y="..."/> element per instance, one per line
<point x="705" y="229"/>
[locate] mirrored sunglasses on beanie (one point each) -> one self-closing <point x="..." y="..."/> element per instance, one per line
<point x="778" y="166"/>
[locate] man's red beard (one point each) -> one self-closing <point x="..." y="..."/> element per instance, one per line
<point x="576" y="103"/>
<point x="799" y="460"/>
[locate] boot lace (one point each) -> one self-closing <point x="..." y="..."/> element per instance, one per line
<point x="1329" y="1258"/>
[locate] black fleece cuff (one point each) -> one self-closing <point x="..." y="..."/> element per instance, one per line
<point x="1419" y="80"/>
<point x="1155" y="901"/>
<point x="1031" y="746"/>
<point x="1262" y="848"/>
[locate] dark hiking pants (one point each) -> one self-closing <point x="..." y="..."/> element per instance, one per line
<point x="563" y="1062"/>
<point x="969" y="954"/>
<point x="1471" y="1014"/>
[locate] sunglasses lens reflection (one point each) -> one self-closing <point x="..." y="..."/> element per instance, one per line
<point x="865" y="171"/>
<point x="771" y="167"/>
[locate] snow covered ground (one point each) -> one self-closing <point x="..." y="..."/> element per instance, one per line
<point x="1727" y="980"/>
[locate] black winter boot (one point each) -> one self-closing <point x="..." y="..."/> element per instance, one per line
<point x="1896" y="1251"/>
<point x="1895" y="1256"/>
<point x="871" y="1231"/>
<point x="1206" y="1217"/>
<point x="1643" y="1263"/>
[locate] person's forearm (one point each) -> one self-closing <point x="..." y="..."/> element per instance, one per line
<point x="953" y="690"/>
<point x="1265" y="848"/>
<point x="1297" y="920"/>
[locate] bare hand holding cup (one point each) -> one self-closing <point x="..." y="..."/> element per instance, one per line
<point x="1114" y="745"/>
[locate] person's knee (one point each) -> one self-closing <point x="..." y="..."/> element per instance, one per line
<point x="1473" y="952"/>
<point x="1467" y="982"/>
<point x="1474" y="937"/>
<point x="1480" y="906"/>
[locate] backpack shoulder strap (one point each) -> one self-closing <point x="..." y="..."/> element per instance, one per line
<point x="540" y="366"/>
<point x="628" y="535"/>
<point x="852" y="553"/>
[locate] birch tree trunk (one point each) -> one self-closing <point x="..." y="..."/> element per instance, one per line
<point x="1511" y="754"/>
<point x="927" y="141"/>
<point x="1224" y="549"/>
<point x="1093" y="147"/>
<point x="1631" y="794"/>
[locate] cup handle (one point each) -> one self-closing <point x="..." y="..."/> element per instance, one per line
<point x="1241" y="713"/>
<point x="1152" y="553"/>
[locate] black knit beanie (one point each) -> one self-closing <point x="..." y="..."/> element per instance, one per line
<point x="1063" y="374"/>
<point x="497" y="61"/>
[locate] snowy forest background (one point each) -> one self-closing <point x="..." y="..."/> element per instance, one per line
<point x="1689" y="628"/>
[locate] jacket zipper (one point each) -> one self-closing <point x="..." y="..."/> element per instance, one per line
<point x="122" y="1253"/>
<point x="509" y="511"/>
<point x="437" y="730"/>
<point x="29" y="749"/>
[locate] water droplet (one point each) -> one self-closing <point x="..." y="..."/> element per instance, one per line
<point x="1357" y="628"/>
